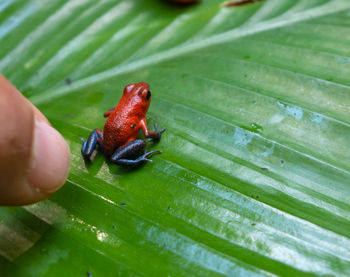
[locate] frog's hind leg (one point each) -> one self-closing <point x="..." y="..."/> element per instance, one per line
<point x="96" y="137"/>
<point x="123" y="155"/>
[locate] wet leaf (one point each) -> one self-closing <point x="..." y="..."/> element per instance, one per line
<point x="254" y="175"/>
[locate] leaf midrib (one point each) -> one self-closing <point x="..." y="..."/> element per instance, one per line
<point x="326" y="9"/>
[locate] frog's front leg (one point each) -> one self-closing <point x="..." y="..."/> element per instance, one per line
<point x="123" y="155"/>
<point x="108" y="113"/>
<point x="96" y="137"/>
<point x="151" y="135"/>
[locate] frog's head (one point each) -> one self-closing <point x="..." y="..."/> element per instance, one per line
<point x="138" y="94"/>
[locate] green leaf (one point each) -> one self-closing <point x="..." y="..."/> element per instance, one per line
<point x="254" y="175"/>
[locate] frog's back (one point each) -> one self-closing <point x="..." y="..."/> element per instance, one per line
<point x="119" y="129"/>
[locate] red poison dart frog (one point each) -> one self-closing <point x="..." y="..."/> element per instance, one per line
<point x="118" y="140"/>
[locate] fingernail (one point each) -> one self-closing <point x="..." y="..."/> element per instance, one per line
<point x="50" y="159"/>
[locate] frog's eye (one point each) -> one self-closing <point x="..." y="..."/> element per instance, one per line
<point x="146" y="94"/>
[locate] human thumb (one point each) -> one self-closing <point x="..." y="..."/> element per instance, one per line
<point x="34" y="157"/>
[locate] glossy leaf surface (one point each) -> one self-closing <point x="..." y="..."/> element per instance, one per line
<point x="254" y="179"/>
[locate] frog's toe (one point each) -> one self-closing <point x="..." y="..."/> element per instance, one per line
<point x="145" y="157"/>
<point x="151" y="153"/>
<point x="89" y="145"/>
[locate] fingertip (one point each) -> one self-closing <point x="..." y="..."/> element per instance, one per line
<point x="50" y="160"/>
<point x="34" y="157"/>
<point x="38" y="116"/>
